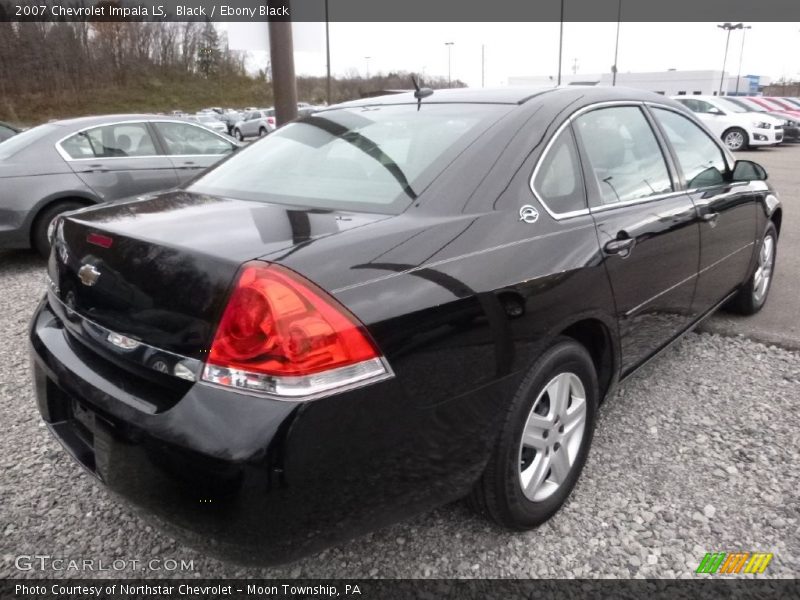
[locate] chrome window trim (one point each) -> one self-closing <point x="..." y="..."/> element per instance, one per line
<point x="590" y="210"/>
<point x="65" y="155"/>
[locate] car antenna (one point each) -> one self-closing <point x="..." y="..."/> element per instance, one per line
<point x="419" y="92"/>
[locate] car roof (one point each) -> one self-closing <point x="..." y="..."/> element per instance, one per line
<point x="99" y="120"/>
<point x="511" y="95"/>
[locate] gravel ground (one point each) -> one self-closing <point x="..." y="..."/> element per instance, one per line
<point x="698" y="452"/>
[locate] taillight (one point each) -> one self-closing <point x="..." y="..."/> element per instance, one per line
<point x="271" y="120"/>
<point x="282" y="335"/>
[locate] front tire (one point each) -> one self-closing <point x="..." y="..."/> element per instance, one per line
<point x="752" y="296"/>
<point x="238" y="135"/>
<point x="736" y="139"/>
<point x="544" y="441"/>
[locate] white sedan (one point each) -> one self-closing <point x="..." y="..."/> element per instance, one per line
<point x="738" y="128"/>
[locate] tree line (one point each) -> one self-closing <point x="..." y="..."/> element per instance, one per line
<point x="62" y="69"/>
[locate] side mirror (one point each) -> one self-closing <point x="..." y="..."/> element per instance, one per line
<point x="747" y="170"/>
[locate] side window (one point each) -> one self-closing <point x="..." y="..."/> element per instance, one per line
<point x="111" y="141"/>
<point x="706" y="107"/>
<point x="120" y="140"/>
<point x="78" y="146"/>
<point x="701" y="160"/>
<point x="623" y="153"/>
<point x="182" y="138"/>
<point x="558" y="182"/>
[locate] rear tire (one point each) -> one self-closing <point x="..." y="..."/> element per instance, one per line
<point x="544" y="441"/>
<point x="39" y="229"/>
<point x="238" y="135"/>
<point x="752" y="296"/>
<point x="736" y="139"/>
<point x="262" y="132"/>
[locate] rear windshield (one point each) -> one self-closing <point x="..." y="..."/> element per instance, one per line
<point x="376" y="158"/>
<point x="22" y="140"/>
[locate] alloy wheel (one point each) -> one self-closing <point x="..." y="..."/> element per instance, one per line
<point x="763" y="274"/>
<point x="734" y="140"/>
<point x="552" y="436"/>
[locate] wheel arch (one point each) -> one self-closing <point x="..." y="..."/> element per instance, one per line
<point x="48" y="202"/>
<point x="596" y="336"/>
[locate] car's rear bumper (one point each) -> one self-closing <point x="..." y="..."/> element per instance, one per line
<point x="253" y="479"/>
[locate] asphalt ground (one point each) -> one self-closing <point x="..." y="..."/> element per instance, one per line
<point x="696" y="453"/>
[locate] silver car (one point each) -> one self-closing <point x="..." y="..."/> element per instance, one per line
<point x="65" y="165"/>
<point x="255" y="123"/>
<point x="210" y="120"/>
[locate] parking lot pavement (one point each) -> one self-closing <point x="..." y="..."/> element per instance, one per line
<point x="696" y="453"/>
<point x="779" y="322"/>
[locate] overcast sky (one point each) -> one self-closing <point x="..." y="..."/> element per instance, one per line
<point x="771" y="49"/>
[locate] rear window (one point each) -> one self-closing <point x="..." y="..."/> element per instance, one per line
<point x="24" y="139"/>
<point x="376" y="158"/>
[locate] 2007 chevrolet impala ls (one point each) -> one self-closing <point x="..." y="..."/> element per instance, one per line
<point x="390" y="305"/>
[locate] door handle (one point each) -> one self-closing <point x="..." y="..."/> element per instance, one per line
<point x="711" y="218"/>
<point x="622" y="247"/>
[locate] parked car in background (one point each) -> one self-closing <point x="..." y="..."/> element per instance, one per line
<point x="210" y="120"/>
<point x="779" y="104"/>
<point x="256" y="123"/>
<point x="736" y="127"/>
<point x="7" y="130"/>
<point x="790" y="122"/>
<point x="389" y="307"/>
<point x="230" y="117"/>
<point x="65" y="165"/>
<point x="304" y="111"/>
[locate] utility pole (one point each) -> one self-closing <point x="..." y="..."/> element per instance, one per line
<point x="616" y="45"/>
<point x="449" y="48"/>
<point x="367" y="59"/>
<point x="727" y="27"/>
<point x="741" y="55"/>
<point x="560" y="41"/>
<point x="284" y="84"/>
<point x="483" y="65"/>
<point x="574" y="66"/>
<point x="327" y="55"/>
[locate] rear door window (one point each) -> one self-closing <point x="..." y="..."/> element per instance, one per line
<point x="624" y="156"/>
<point x="111" y="141"/>
<point x="185" y="139"/>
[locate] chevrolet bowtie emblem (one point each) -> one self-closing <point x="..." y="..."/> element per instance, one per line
<point x="88" y="275"/>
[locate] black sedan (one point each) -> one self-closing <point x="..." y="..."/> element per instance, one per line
<point x="390" y="305"/>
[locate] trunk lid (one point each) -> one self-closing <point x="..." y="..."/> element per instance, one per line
<point x="171" y="259"/>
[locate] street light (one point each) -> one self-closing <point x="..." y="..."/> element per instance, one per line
<point x="560" y="41"/>
<point x="741" y="54"/>
<point x="727" y="27"/>
<point x="449" y="48"/>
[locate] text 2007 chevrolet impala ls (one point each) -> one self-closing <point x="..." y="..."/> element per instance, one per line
<point x="390" y="305"/>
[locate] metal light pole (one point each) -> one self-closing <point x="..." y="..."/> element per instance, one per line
<point x="616" y="46"/>
<point x="327" y="55"/>
<point x="741" y="54"/>
<point x="560" y="41"/>
<point x="449" y="48"/>
<point x="727" y="27"/>
<point x="483" y="65"/>
<point x="367" y="59"/>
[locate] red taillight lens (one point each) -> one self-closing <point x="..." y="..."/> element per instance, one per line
<point x="277" y="323"/>
<point x="271" y="120"/>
